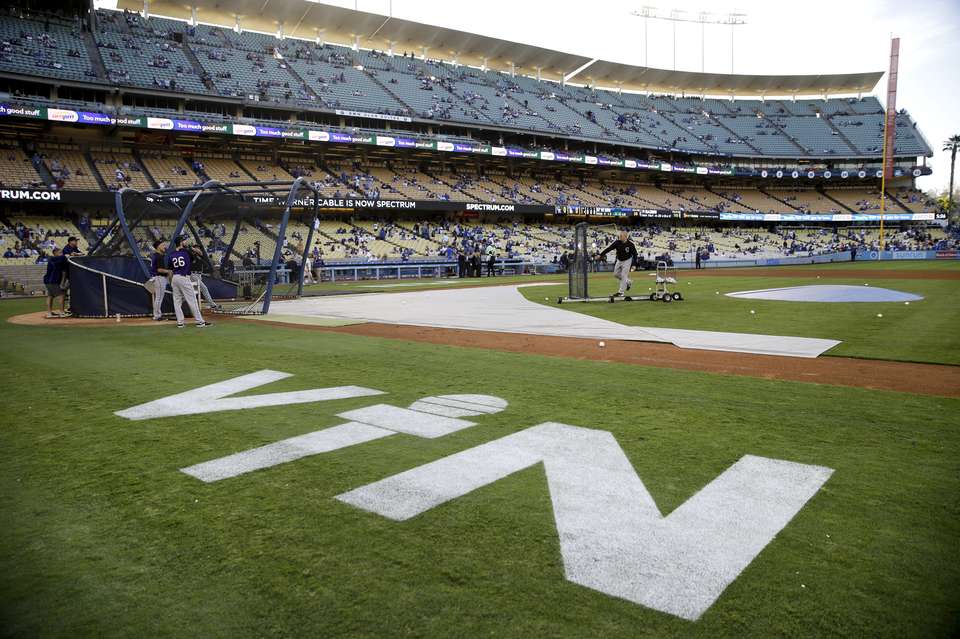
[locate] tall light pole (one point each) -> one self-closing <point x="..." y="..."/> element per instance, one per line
<point x="733" y="20"/>
<point x="645" y="12"/>
<point x="675" y="16"/>
<point x="703" y="19"/>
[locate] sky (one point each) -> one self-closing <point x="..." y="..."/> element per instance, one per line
<point x="810" y="37"/>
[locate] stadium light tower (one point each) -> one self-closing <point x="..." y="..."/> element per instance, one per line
<point x="703" y="18"/>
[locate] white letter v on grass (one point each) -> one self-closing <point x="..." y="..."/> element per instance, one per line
<point x="212" y="398"/>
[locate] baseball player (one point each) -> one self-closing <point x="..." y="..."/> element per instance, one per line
<point x="52" y="279"/>
<point x="180" y="263"/>
<point x="159" y="274"/>
<point x="626" y="253"/>
<point x="197" y="253"/>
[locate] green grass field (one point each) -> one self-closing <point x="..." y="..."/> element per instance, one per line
<point x="103" y="536"/>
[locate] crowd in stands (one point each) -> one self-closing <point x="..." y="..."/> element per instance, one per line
<point x="34" y="240"/>
<point x="533" y="242"/>
<point x="29" y="240"/>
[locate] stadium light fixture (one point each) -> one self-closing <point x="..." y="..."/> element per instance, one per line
<point x="702" y="18"/>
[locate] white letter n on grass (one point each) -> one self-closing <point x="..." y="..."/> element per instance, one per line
<point x="214" y="397"/>
<point x="613" y="537"/>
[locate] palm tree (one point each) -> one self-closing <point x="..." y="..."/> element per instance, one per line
<point x="952" y="144"/>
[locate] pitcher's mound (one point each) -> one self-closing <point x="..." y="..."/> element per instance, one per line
<point x="828" y="293"/>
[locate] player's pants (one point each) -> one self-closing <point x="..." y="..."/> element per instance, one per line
<point x="159" y="288"/>
<point x="183" y="291"/>
<point x="621" y="271"/>
<point x="203" y="289"/>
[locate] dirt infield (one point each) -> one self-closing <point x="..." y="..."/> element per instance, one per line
<point x="867" y="274"/>
<point x="922" y="379"/>
<point x="40" y="319"/>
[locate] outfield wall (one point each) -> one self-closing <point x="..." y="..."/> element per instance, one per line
<point x="416" y="269"/>
<point x="827" y="258"/>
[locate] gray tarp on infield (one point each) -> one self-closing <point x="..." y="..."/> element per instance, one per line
<point x="828" y="293"/>
<point x="504" y="309"/>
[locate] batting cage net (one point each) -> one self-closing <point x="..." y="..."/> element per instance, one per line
<point x="580" y="264"/>
<point x="249" y="243"/>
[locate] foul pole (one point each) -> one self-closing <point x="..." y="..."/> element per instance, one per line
<point x="889" y="132"/>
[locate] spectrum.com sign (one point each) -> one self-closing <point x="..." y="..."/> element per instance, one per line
<point x="11" y="194"/>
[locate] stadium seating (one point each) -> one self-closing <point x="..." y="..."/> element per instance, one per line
<point x="16" y="169"/>
<point x="222" y="169"/>
<point x="69" y="167"/>
<point x="160" y="53"/>
<point x="205" y="64"/>
<point x="50" y="48"/>
<point x="119" y="169"/>
<point x="263" y="170"/>
<point x="146" y="60"/>
<point x="169" y="170"/>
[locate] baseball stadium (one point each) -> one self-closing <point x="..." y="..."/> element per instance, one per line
<point x="329" y="320"/>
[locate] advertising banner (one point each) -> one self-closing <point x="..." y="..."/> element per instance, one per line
<point x="431" y="144"/>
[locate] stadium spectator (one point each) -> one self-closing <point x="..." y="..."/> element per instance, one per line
<point x="72" y="247"/>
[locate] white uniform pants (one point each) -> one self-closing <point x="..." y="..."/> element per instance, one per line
<point x="183" y="291"/>
<point x="204" y="291"/>
<point x="159" y="289"/>
<point x="621" y="271"/>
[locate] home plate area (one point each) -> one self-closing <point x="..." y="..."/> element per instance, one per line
<point x="504" y="309"/>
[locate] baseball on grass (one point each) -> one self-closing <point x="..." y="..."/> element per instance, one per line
<point x="752" y="312"/>
<point x="879" y="314"/>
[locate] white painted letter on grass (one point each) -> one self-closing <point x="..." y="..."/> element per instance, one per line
<point x="613" y="537"/>
<point x="429" y="417"/>
<point x="214" y="397"/>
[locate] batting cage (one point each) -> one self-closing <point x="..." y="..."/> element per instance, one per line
<point x="579" y="268"/>
<point x="249" y="243"/>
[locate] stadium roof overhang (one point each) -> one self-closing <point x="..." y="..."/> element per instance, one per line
<point x="603" y="73"/>
<point x="312" y="20"/>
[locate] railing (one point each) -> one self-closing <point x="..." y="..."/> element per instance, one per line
<point x="420" y="270"/>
